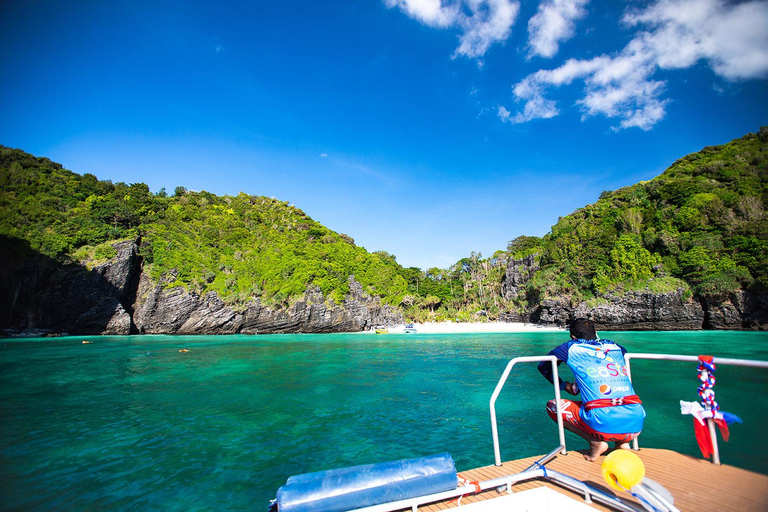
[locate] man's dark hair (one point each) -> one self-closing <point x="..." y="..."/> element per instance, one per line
<point x="583" y="329"/>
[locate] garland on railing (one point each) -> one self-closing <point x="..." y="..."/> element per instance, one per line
<point x="707" y="377"/>
<point x="708" y="408"/>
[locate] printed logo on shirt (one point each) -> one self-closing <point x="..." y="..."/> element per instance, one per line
<point x="605" y="389"/>
<point x="609" y="370"/>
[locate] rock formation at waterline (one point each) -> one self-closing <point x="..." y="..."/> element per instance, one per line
<point x="161" y="310"/>
<point x="41" y="296"/>
<point x="637" y="310"/>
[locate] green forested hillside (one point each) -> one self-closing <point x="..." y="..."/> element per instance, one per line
<point x="701" y="225"/>
<point x="703" y="222"/>
<point x="248" y="246"/>
<point x="240" y="247"/>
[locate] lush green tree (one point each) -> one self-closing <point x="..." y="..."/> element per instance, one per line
<point x="702" y="223"/>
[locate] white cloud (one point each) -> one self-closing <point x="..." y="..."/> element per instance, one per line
<point x="537" y="107"/>
<point x="731" y="38"/>
<point x="429" y="12"/>
<point x="482" y="22"/>
<point x="323" y="155"/>
<point x="553" y="23"/>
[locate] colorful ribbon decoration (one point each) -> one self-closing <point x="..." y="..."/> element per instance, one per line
<point x="708" y="408"/>
<point x="707" y="369"/>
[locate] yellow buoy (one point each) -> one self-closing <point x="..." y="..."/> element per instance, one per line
<point x="623" y="467"/>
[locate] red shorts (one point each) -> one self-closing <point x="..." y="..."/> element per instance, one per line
<point x="571" y="416"/>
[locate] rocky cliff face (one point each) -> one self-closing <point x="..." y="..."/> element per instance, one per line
<point x="41" y="296"/>
<point x="643" y="310"/>
<point x="50" y="297"/>
<point x="118" y="298"/>
<point x="517" y="274"/>
<point x="740" y="310"/>
<point x="161" y="310"/>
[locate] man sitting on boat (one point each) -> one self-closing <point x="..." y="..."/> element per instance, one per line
<point x="610" y="411"/>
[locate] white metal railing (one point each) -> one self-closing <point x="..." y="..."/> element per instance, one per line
<point x="503" y="379"/>
<point x="695" y="359"/>
<point x="534" y="471"/>
<point x="627" y="357"/>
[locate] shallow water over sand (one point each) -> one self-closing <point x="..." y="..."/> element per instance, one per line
<point x="132" y="423"/>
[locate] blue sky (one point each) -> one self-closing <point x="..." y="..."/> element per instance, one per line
<point x="425" y="128"/>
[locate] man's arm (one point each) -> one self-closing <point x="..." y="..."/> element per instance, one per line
<point x="545" y="367"/>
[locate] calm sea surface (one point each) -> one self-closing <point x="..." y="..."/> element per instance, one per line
<point x="130" y="423"/>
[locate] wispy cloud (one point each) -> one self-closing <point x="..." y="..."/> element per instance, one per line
<point x="482" y="22"/>
<point x="323" y="155"/>
<point x="730" y="38"/>
<point x="553" y="23"/>
<point x="218" y="46"/>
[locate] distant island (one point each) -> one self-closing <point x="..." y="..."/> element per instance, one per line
<point x="685" y="250"/>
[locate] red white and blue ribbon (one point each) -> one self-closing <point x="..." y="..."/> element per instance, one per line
<point x="707" y="369"/>
<point x="708" y="408"/>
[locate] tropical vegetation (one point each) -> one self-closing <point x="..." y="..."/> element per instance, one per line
<point x="700" y="226"/>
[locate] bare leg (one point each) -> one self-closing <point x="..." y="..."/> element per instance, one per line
<point x="596" y="447"/>
<point x="622" y="446"/>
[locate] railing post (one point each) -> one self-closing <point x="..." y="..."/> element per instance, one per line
<point x="627" y="357"/>
<point x="494" y="427"/>
<point x="715" y="449"/>
<point x="558" y="405"/>
<point x="500" y="385"/>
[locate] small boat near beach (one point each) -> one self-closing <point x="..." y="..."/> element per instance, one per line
<point x="381" y="329"/>
<point x="409" y="329"/>
<point x="652" y="479"/>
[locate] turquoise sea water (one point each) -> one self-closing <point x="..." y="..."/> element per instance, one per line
<point x="130" y="423"/>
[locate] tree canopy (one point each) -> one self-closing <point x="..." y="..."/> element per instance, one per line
<point x="702" y="222"/>
<point x="241" y="247"/>
<point x="701" y="225"/>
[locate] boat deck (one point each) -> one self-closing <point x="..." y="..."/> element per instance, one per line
<point x="727" y="487"/>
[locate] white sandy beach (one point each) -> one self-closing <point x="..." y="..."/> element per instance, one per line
<point x="472" y="327"/>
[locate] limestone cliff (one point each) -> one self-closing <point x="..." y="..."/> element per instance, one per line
<point x="40" y="296"/>
<point x="517" y="274"/>
<point x="118" y="297"/>
<point x="161" y="310"/>
<point x="50" y="297"/>
<point x="641" y="310"/>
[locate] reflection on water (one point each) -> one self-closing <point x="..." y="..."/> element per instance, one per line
<point x="131" y="422"/>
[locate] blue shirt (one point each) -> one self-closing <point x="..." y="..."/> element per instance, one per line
<point x="600" y="372"/>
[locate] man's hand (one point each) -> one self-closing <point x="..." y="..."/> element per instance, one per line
<point x="571" y="388"/>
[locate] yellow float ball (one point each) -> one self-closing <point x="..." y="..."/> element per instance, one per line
<point x="623" y="467"/>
